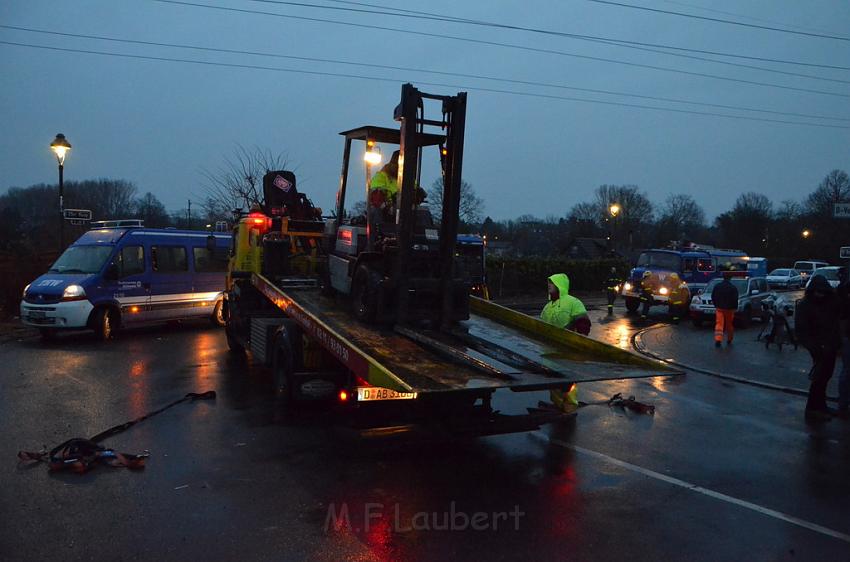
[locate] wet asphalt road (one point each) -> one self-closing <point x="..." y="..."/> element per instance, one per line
<point x="723" y="471"/>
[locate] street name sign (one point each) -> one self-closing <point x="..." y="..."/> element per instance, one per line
<point x="77" y="214"/>
<point x="841" y="210"/>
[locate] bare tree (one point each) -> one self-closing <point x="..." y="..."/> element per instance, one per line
<point x="238" y="183"/>
<point x="471" y="205"/>
<point x="151" y="210"/>
<point x="789" y="210"/>
<point x="834" y="188"/>
<point x="584" y="213"/>
<point x="635" y="207"/>
<point x="682" y="212"/>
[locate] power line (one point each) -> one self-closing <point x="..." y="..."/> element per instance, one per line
<point x="719" y="20"/>
<point x="411" y="69"/>
<point x="507" y="45"/>
<point x="415" y="14"/>
<point x="437" y="84"/>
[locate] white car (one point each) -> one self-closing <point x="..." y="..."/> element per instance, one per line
<point x="807" y="267"/>
<point x="830" y="273"/>
<point x="751" y="292"/>
<point x="785" y="278"/>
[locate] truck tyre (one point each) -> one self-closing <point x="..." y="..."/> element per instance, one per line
<point x="632" y="304"/>
<point x="104" y="323"/>
<point x="233" y="344"/>
<point x="364" y="295"/>
<point x="287" y="345"/>
<point x="217" y="317"/>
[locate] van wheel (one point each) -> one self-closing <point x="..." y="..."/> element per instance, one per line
<point x="217" y="318"/>
<point x="632" y="304"/>
<point x="104" y="324"/>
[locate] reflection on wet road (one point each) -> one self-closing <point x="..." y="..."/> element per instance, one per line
<point x="239" y="479"/>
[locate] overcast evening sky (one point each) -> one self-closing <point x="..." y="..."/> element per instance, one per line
<point x="161" y="123"/>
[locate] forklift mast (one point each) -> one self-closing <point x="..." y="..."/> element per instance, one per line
<point x="411" y="113"/>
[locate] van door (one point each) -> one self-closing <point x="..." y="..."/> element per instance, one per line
<point x="129" y="283"/>
<point x="171" y="282"/>
<point x="208" y="277"/>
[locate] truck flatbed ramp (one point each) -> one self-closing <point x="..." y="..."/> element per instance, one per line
<point x="496" y="348"/>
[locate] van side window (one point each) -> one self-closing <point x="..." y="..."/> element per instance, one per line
<point x="209" y="262"/>
<point x="132" y="260"/>
<point x="705" y="264"/>
<point x="169" y="259"/>
<point x="688" y="265"/>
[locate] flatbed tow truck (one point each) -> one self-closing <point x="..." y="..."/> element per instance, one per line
<point x="373" y="315"/>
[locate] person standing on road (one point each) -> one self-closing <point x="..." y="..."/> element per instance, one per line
<point x="612" y="287"/>
<point x="679" y="297"/>
<point x="843" y="293"/>
<point x="647" y="287"/>
<point x="817" y="325"/>
<point x="567" y="312"/>
<point x="725" y="299"/>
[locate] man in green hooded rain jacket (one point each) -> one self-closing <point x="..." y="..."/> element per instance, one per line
<point x="565" y="311"/>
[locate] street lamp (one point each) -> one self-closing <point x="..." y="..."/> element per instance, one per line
<point x="61" y="146"/>
<point x="806" y="233"/>
<point x="614" y="210"/>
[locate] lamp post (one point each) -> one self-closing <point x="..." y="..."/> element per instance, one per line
<point x="614" y="210"/>
<point x="61" y="146"/>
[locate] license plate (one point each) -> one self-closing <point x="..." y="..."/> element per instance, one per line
<point x="370" y="393"/>
<point x="36" y="315"/>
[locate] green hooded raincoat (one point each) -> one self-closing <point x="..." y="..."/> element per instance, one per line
<point x="566" y="309"/>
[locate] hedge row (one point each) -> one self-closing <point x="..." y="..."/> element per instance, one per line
<point x="527" y="276"/>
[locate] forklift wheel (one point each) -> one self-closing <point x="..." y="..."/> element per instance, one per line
<point x="364" y="295"/>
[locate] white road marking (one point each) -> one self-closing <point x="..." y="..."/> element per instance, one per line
<point x="699" y="489"/>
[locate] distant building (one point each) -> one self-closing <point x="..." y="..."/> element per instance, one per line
<point x="590" y="249"/>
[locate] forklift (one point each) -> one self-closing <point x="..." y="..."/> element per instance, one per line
<point x="396" y="266"/>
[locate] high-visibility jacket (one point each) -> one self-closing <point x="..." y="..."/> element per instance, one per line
<point x="613" y="283"/>
<point x="564" y="311"/>
<point x="679" y="294"/>
<point x="383" y="182"/>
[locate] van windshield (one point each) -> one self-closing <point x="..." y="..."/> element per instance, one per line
<point x="81" y="259"/>
<point x="659" y="260"/>
<point x="803" y="265"/>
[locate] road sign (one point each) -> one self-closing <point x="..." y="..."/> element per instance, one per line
<point x="77" y="214"/>
<point x="844" y="253"/>
<point x="78" y="222"/>
<point x="841" y="210"/>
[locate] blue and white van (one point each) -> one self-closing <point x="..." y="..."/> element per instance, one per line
<point x="124" y="276"/>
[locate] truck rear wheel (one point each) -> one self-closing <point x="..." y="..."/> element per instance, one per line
<point x="284" y="360"/>
<point x="233" y="344"/>
<point x="632" y="304"/>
